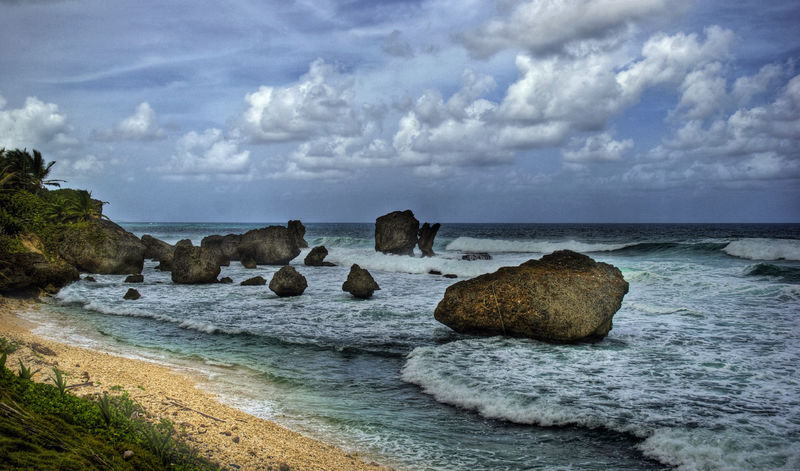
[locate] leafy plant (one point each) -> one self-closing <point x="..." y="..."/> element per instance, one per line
<point x="25" y="372"/>
<point x="59" y="380"/>
<point x="3" y="359"/>
<point x="106" y="408"/>
<point x="8" y="347"/>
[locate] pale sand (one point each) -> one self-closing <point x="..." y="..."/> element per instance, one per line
<point x="225" y="435"/>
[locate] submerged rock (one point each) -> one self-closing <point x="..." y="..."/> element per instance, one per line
<point x="316" y="257"/>
<point x="472" y="256"/>
<point x="273" y="245"/>
<point x="194" y="265"/>
<point x="427" y="234"/>
<point x="132" y="295"/>
<point x="360" y="283"/>
<point x="255" y="281"/>
<point x="288" y="282"/>
<point x="138" y="278"/>
<point x="101" y="246"/>
<point x="564" y="297"/>
<point x="226" y="280"/>
<point x="396" y="233"/>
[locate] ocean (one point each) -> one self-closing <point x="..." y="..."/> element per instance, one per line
<point x="700" y="371"/>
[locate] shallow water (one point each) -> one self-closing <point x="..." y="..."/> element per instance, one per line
<point x="699" y="372"/>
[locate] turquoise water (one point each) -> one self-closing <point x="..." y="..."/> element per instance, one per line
<point x="699" y="372"/>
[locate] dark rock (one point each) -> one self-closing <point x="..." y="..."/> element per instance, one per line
<point x="193" y="265"/>
<point x="184" y="243"/>
<point x="90" y="278"/>
<point x="298" y="231"/>
<point x="134" y="278"/>
<point x="225" y="248"/>
<point x="132" y="295"/>
<point x="434" y="272"/>
<point x="450" y="275"/>
<point x="250" y="263"/>
<point x="288" y="282"/>
<point x="315" y="258"/>
<point x="360" y="283"/>
<point x="427" y="234"/>
<point x="102" y="247"/>
<point x="328" y="264"/>
<point x="472" y="256"/>
<point x="155" y="249"/>
<point x="226" y="280"/>
<point x="396" y="233"/>
<point x="29" y="270"/>
<point x="255" y="281"/>
<point x="564" y="297"/>
<point x="273" y="245"/>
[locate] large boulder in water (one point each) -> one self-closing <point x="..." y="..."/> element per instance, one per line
<point x="396" y="233"/>
<point x="316" y="258"/>
<point x="360" y="283"/>
<point x="100" y="246"/>
<point x="564" y="297"/>
<point x="427" y="234"/>
<point x="194" y="265"/>
<point x="273" y="245"/>
<point x="156" y="249"/>
<point x="288" y="282"/>
<point x="225" y="248"/>
<point x="298" y="231"/>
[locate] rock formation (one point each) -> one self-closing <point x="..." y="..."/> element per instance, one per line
<point x="26" y="270"/>
<point x="288" y="282"/>
<point x="226" y="280"/>
<point x="316" y="258"/>
<point x="564" y="297"/>
<point x="273" y="245"/>
<point x="193" y="265"/>
<point x="138" y="278"/>
<point x="298" y="231"/>
<point x="360" y="283"/>
<point x="427" y="234"/>
<point x="396" y="233"/>
<point x="225" y="248"/>
<point x="255" y="281"/>
<point x="132" y="295"/>
<point x="102" y="247"/>
<point x="155" y="249"/>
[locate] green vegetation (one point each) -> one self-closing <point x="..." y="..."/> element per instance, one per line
<point x="45" y="427"/>
<point x="28" y="207"/>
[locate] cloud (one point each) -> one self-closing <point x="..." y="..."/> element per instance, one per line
<point x="209" y="153"/>
<point x="544" y="27"/>
<point x="141" y="126"/>
<point x="36" y="125"/>
<point x="319" y="104"/>
<point x="597" y="148"/>
<point x="396" y="46"/>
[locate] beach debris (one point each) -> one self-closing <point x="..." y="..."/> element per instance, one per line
<point x="183" y="406"/>
<point x="194" y="265"/>
<point x="563" y="297"/>
<point x="360" y="283"/>
<point x="254" y="281"/>
<point x="427" y="233"/>
<point x="132" y="295"/>
<point x="134" y="278"/>
<point x="288" y="282"/>
<point x="42" y="349"/>
<point x="273" y="245"/>
<point x="396" y="233"/>
<point x="298" y="231"/>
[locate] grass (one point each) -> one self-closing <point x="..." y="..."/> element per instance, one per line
<point x="43" y="426"/>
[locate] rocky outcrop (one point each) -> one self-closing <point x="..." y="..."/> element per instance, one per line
<point x="564" y="297"/>
<point x="102" y="247"/>
<point x="316" y="258"/>
<point x="254" y="281"/>
<point x="193" y="265"/>
<point x="225" y="248"/>
<point x="298" y="231"/>
<point x="156" y="249"/>
<point x="288" y="282"/>
<point x="273" y="245"/>
<point x="360" y="283"/>
<point x="132" y="295"/>
<point x="30" y="270"/>
<point x="427" y="234"/>
<point x="396" y="233"/>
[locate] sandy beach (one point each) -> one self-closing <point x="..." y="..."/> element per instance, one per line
<point x="225" y="435"/>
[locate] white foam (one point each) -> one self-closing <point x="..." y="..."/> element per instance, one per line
<point x="764" y="249"/>
<point x="371" y="260"/>
<point x="471" y="244"/>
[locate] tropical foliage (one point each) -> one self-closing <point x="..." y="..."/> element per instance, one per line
<point x="25" y="171"/>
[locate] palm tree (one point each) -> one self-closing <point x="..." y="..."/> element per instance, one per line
<point x="30" y="172"/>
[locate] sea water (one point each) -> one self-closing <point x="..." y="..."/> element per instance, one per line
<point x="699" y="372"/>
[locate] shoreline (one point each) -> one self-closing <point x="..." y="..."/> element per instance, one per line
<point x="221" y="433"/>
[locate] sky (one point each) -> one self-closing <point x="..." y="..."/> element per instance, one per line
<point x="460" y="110"/>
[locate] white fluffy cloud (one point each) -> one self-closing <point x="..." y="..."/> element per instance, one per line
<point x="207" y="153"/>
<point x="598" y="148"/>
<point x="36" y="125"/>
<point x="543" y="27"/>
<point x="141" y="126"/>
<point x="321" y="103"/>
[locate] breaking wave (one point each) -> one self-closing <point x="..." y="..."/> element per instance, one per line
<point x="764" y="249"/>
